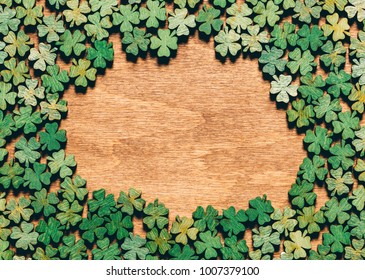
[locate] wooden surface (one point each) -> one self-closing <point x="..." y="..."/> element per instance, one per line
<point x="193" y="132"/>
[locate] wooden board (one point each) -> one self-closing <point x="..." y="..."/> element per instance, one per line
<point x="193" y="132"/>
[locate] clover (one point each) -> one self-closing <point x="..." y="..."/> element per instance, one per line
<point x="42" y="223"/>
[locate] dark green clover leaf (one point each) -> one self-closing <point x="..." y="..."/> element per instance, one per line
<point x="357" y="225"/>
<point x="52" y="27"/>
<point x="265" y="239"/>
<point x="305" y="10"/>
<point x="339" y="83"/>
<point x="72" y="249"/>
<point x="131" y="202"/>
<point x="310" y="220"/>
<point x="301" y="62"/>
<point x="164" y="42"/>
<point x="7" y="96"/>
<point x="3" y="54"/>
<point x="37" y="177"/>
<point x="57" y="4"/>
<point x="49" y="231"/>
<point x="25" y="235"/>
<point x="184" y="253"/>
<point x="357" y="45"/>
<point x="272" y="60"/>
<point x="334" y="56"/>
<point x="8" y="21"/>
<point x="282" y="36"/>
<point x="284" y="220"/>
<point x="12" y="175"/>
<point x="342" y="155"/>
<point x="160" y="241"/>
<point x="222" y="3"/>
<point x="339" y="183"/>
<point x="327" y="108"/>
<point x="310" y="37"/>
<point x="136" y="41"/>
<point x="358" y="198"/>
<point x="267" y="15"/>
<point x="82" y="71"/>
<point x="208" y="219"/>
<point x="91" y="227"/>
<point x="72" y="189"/>
<point x="301" y="114"/>
<point x="347" y="125"/>
<point x="337" y="238"/>
<point x="27" y="152"/>
<point x="208" y="17"/>
<point x="259" y="210"/>
<point x="233" y="249"/>
<point x="55" y="79"/>
<point x="106" y="7"/>
<point x="49" y="254"/>
<point x="4" y="228"/>
<point x="7" y="125"/>
<point x="97" y="27"/>
<point x="5" y="252"/>
<point x="360" y="168"/>
<point x="184" y="229"/>
<point x="69" y="214"/>
<point x="156" y="214"/>
<point x="26" y="119"/>
<point x="41" y="201"/>
<point x="52" y="138"/>
<point x="323" y="253"/>
<point x="232" y="222"/>
<point x="60" y="163"/>
<point x="106" y="251"/>
<point x="154" y="13"/>
<point x="100" y="53"/>
<point x="72" y="43"/>
<point x="319" y="140"/>
<point x="337" y="210"/>
<point x="134" y="248"/>
<point x="127" y="18"/>
<point x="101" y="204"/>
<point x="311" y="88"/>
<point x="298" y="244"/>
<point x="119" y="225"/>
<point x="208" y="244"/>
<point x="314" y="168"/>
<point x="301" y="193"/>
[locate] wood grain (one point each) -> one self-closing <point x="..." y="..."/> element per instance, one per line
<point x="193" y="132"/>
